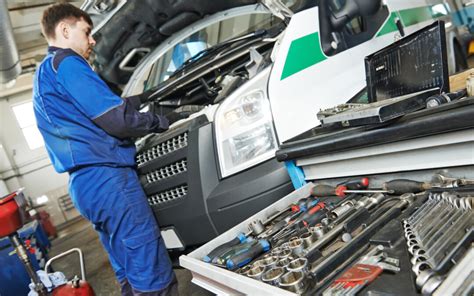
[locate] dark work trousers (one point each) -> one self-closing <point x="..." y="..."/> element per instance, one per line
<point x="113" y="200"/>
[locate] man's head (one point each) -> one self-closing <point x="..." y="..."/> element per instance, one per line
<point x="66" y="26"/>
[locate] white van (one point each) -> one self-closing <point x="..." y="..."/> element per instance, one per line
<point x="250" y="76"/>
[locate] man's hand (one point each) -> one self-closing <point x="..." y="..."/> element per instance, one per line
<point x="144" y="96"/>
<point x="182" y="112"/>
<point x="175" y="116"/>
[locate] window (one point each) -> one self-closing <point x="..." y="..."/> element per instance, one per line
<point x="27" y="122"/>
<point x="214" y="34"/>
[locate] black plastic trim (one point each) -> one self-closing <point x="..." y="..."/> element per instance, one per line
<point x="453" y="116"/>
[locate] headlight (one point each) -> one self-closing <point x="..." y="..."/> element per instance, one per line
<point x="244" y="132"/>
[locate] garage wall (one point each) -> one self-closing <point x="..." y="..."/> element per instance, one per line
<point x="19" y="165"/>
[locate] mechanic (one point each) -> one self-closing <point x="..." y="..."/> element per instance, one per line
<point x="87" y="130"/>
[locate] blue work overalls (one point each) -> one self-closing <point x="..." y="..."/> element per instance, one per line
<point x="70" y="103"/>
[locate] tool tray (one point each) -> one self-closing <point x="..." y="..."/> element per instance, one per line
<point x="224" y="282"/>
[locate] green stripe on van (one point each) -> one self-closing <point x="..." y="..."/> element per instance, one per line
<point x="416" y="15"/>
<point x="303" y="53"/>
<point x="390" y="25"/>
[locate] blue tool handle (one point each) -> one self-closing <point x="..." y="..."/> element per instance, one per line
<point x="244" y="258"/>
<point x="223" y="248"/>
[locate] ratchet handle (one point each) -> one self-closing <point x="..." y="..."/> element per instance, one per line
<point x="245" y="257"/>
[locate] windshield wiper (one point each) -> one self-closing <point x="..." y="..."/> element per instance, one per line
<point x="207" y="51"/>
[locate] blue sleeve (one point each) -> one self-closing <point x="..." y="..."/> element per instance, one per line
<point x="90" y="94"/>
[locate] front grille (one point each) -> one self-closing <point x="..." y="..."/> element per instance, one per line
<point x="169" y="195"/>
<point x="162" y="149"/>
<point x="167" y="171"/>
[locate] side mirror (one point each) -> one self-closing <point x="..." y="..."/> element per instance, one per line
<point x="353" y="8"/>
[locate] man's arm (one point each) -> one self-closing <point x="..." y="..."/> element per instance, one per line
<point x="90" y="94"/>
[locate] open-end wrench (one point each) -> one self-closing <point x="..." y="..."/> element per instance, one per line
<point x="420" y="214"/>
<point x="443" y="231"/>
<point x="434" y="227"/>
<point x="419" y="211"/>
<point x="427" y="243"/>
<point x="433" y="212"/>
<point x="428" y="223"/>
<point x="446" y="239"/>
<point x="436" y="255"/>
<point x="417" y="246"/>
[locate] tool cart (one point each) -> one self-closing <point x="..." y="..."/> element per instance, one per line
<point x="384" y="199"/>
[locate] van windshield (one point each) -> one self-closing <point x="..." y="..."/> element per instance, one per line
<point x="193" y="46"/>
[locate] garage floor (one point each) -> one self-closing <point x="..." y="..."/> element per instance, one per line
<point x="99" y="273"/>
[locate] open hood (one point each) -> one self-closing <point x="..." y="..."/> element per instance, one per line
<point x="123" y="26"/>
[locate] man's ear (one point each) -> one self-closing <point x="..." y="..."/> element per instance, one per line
<point x="63" y="29"/>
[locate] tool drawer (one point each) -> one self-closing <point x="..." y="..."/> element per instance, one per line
<point x="224" y="282"/>
<point x="375" y="242"/>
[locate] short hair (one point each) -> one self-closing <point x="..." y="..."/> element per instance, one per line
<point x="56" y="13"/>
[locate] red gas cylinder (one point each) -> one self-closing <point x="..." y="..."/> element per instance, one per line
<point x="48" y="226"/>
<point x="10" y="217"/>
<point x="74" y="288"/>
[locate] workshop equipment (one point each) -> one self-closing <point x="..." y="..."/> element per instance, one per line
<point x="240" y="238"/>
<point x="360" y="244"/>
<point x="399" y="186"/>
<point x="248" y="255"/>
<point x="11" y="220"/>
<point x="435" y="234"/>
<point x="364" y="272"/>
<point x="439" y="99"/>
<point x="354" y="184"/>
<point x="399" y="79"/>
<point x="12" y="215"/>
<point x="77" y="286"/>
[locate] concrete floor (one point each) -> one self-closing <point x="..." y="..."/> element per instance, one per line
<point x="99" y="274"/>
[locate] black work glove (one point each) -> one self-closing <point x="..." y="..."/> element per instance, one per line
<point x="144" y="96"/>
<point x="175" y="116"/>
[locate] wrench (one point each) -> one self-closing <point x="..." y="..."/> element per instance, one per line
<point x="432" y="213"/>
<point x="420" y="211"/>
<point x="432" y="228"/>
<point x="417" y="248"/>
<point x="435" y="257"/>
<point x="447" y="237"/>
<point x="450" y="224"/>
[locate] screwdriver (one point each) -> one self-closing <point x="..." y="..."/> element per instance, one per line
<point x="311" y="212"/>
<point x="402" y="186"/>
<point x="398" y="186"/>
<point x="248" y="255"/>
<point x="322" y="190"/>
<point x="241" y="238"/>
<point x="237" y="249"/>
<point x="304" y="204"/>
<point x="355" y="184"/>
